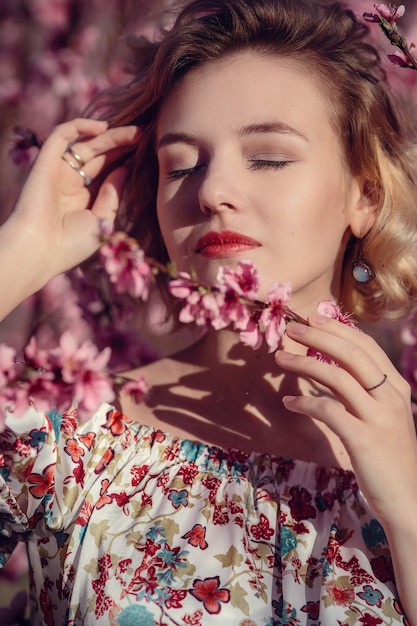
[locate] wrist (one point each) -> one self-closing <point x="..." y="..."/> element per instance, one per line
<point x="26" y="264"/>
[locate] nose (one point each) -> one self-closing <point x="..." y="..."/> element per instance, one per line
<point x="221" y="188"/>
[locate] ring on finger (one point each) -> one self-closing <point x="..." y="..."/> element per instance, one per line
<point x="76" y="165"/>
<point x="67" y="158"/>
<point x="70" y="150"/>
<point x="87" y="179"/>
<point x="79" y="162"/>
<point x="385" y="378"/>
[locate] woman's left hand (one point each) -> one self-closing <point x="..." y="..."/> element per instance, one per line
<point x="370" y="413"/>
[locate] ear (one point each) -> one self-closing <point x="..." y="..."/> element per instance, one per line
<point x="363" y="208"/>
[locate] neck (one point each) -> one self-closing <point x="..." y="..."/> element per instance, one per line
<point x="237" y="391"/>
<point x="221" y="392"/>
<point x="218" y="349"/>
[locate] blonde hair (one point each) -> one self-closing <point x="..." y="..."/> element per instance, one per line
<point x="331" y="42"/>
<point x="390" y="245"/>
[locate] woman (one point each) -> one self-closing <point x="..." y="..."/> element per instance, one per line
<point x="250" y="487"/>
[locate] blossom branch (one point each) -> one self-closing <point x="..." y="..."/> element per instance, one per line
<point x="232" y="301"/>
<point x="386" y="17"/>
<point x="76" y="372"/>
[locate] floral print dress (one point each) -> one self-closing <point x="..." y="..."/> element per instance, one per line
<point x="128" y="526"/>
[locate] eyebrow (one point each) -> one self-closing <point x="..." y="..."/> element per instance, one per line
<point x="244" y="131"/>
<point x="169" y="138"/>
<point x="269" y="127"/>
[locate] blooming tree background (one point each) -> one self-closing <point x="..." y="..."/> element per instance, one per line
<point x="54" y="56"/>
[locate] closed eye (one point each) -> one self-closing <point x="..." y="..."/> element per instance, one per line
<point x="181" y="173"/>
<point x="265" y="164"/>
<point x="255" y="164"/>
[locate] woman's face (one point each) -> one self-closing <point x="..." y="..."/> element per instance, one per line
<point x="251" y="168"/>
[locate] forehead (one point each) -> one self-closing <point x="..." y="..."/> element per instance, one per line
<point x="247" y="88"/>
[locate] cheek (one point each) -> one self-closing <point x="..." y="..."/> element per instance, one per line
<point x="165" y="226"/>
<point x="165" y="211"/>
<point x="324" y="202"/>
<point x="314" y="223"/>
<point x="177" y="217"/>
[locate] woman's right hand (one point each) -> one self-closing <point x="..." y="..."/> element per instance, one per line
<point x="55" y="223"/>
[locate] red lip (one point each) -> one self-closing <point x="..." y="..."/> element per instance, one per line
<point x="224" y="244"/>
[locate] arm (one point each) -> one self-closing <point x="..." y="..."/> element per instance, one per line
<point x="54" y="225"/>
<point x="376" y="427"/>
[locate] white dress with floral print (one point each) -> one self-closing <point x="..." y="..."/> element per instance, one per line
<point x="126" y="525"/>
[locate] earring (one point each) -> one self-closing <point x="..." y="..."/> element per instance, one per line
<point x="362" y="270"/>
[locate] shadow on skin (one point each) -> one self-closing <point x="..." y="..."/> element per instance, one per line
<point x="209" y="409"/>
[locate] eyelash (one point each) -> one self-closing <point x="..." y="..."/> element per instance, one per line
<point x="264" y="164"/>
<point x="256" y="164"/>
<point x="181" y="173"/>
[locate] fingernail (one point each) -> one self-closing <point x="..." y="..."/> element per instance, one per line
<point x="296" y="328"/>
<point x="316" y="318"/>
<point x="289" y="399"/>
<point x="285" y="356"/>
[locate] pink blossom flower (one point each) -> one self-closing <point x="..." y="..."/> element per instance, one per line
<point x="238" y="286"/>
<point x="231" y="301"/>
<point x="36" y="357"/>
<point x="203" y="308"/>
<point x="328" y="308"/>
<point x="136" y="389"/>
<point x="221" y="305"/>
<point x="233" y="310"/>
<point x="244" y="281"/>
<point x="251" y="336"/>
<point x="52" y="14"/>
<point x="30" y="378"/>
<point x="399" y="58"/>
<point x="63" y="304"/>
<point x="181" y="287"/>
<point x="201" y="305"/>
<point x="388" y="13"/>
<point x="273" y="317"/>
<point x="125" y="263"/>
<point x="39" y="388"/>
<point x="82" y="367"/>
<point x="24" y="140"/>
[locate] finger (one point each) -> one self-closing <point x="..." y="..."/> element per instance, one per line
<point x="109" y="196"/>
<point x="88" y="158"/>
<point x="48" y="161"/>
<point x="64" y="133"/>
<point x="328" y="411"/>
<point x="86" y="148"/>
<point x="89" y="171"/>
<point x="356" y="352"/>
<point x="344" y="387"/>
<point x="353" y="335"/>
<point x="91" y="137"/>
